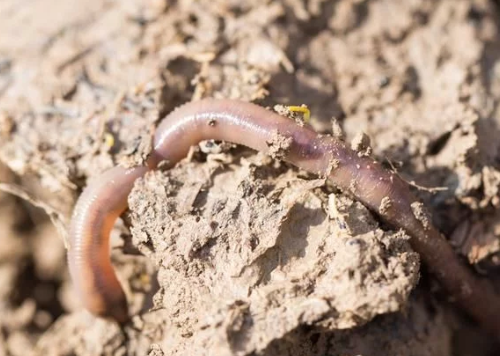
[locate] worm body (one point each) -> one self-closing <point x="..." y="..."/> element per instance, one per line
<point x="88" y="252"/>
<point x="253" y="126"/>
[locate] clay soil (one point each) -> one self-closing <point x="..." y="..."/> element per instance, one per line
<point x="233" y="252"/>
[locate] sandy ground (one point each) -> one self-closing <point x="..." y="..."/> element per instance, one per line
<point x="233" y="252"/>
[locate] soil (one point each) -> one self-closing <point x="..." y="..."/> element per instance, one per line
<point x="233" y="252"/>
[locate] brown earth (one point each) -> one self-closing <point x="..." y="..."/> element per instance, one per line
<point x="233" y="252"/>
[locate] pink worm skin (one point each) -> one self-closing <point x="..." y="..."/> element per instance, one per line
<point x="102" y="202"/>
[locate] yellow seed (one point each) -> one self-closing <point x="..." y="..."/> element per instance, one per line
<point x="302" y="109"/>
<point x="109" y="139"/>
<point x="145" y="279"/>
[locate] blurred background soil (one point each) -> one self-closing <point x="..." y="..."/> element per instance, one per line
<point x="232" y="252"/>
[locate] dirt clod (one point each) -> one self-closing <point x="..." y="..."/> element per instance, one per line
<point x="253" y="288"/>
<point x="361" y="144"/>
<point x="385" y="206"/>
<point x="278" y="145"/>
<point x="421" y="213"/>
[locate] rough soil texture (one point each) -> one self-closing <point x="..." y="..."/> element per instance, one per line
<point x="233" y="252"/>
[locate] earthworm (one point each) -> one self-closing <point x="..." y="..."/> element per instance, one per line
<point x="381" y="190"/>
